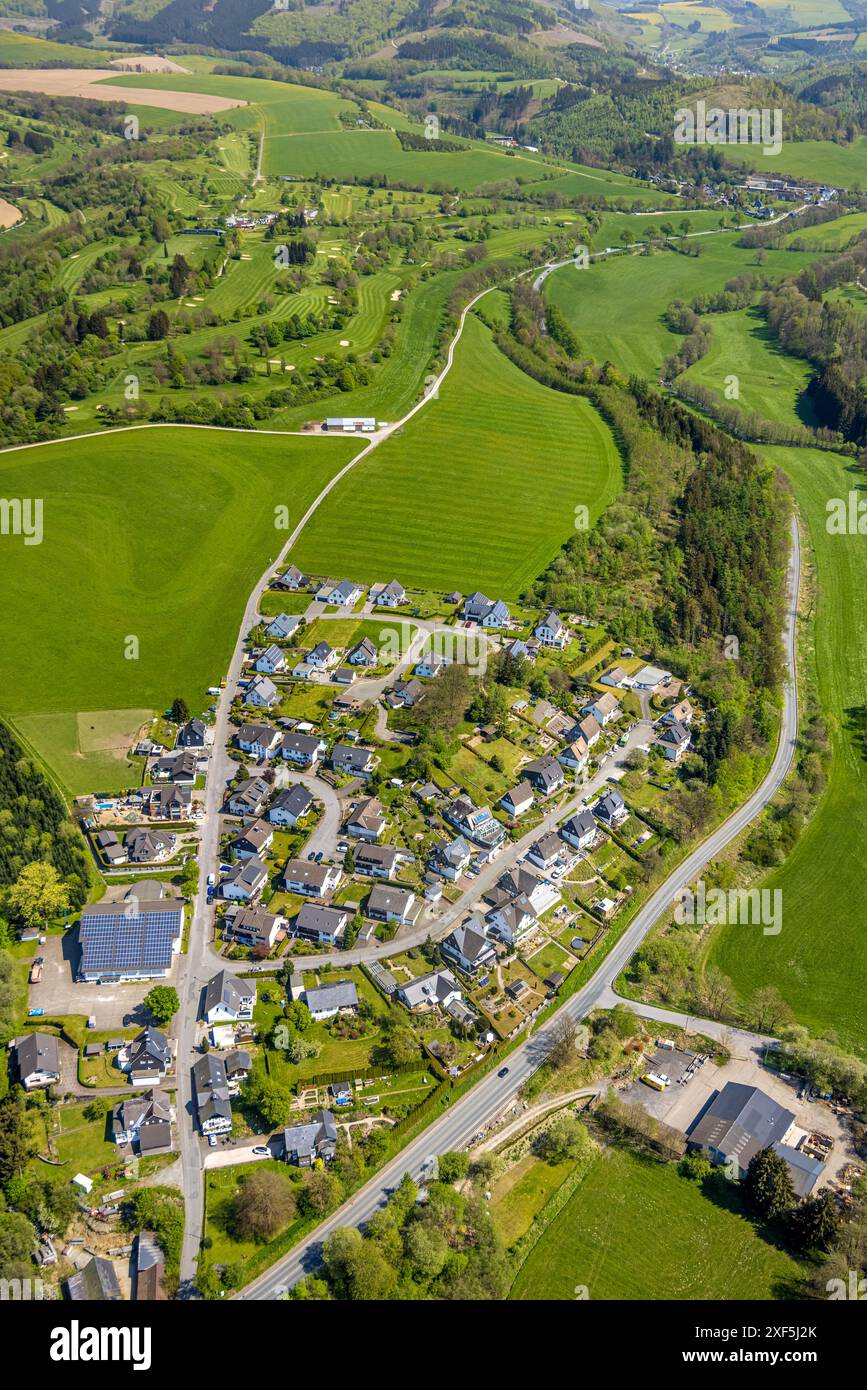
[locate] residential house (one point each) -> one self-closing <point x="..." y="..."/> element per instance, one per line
<point x="246" y="882"/>
<point x="576" y="754"/>
<point x="428" y="992"/>
<point x="314" y="880"/>
<point x="291" y="579"/>
<point x="148" y="1057"/>
<point x="136" y="940"/>
<point x="486" y="612"/>
<point x="523" y="882"/>
<point x="262" y="692"/>
<point x="304" y="1143"/>
<point x="228" y="999"/>
<point x="150" y="1269"/>
<point x="110" y="847"/>
<point x="238" y="1064"/>
<point x="345" y="594"/>
<point x="261" y="741"/>
<point x="271" y="660"/>
<point x="681" y="713"/>
<point x="344" y="675"/>
<point x="37" y="1058"/>
<point x="611" y="809"/>
<point x="552" y="631"/>
<point x="144" y="846"/>
<point x="546" y="851"/>
<point x="326" y="926"/>
<point x="588" y="729"/>
<point x="326" y="1001"/>
<point x="364" y="653"/>
<point x="469" y="947"/>
<point x="352" y="760"/>
<point x="253" y="926"/>
<point x="248" y="797"/>
<point x="171" y="802"/>
<point x="302" y="749"/>
<point x="387" y="904"/>
<point x="193" y="734"/>
<point x="674" y="741"/>
<point x="213" y="1103"/>
<point x="518" y="649"/>
<point x="391" y="595"/>
<point x="431" y="664"/>
<point x="615" y="676"/>
<point x="290" y="805"/>
<point x="180" y="766"/>
<point x="282" y="627"/>
<point x="518" y="800"/>
<point x="322" y="656"/>
<point x="454" y="858"/>
<point x="367" y="819"/>
<point x="255" y="840"/>
<point x="379" y="861"/>
<point x="579" y="830"/>
<point x="144" y="1121"/>
<point x="546" y="775"/>
<point x="512" y="920"/>
<point x="405" y="694"/>
<point x="603" y="708"/>
<point x="476" y="823"/>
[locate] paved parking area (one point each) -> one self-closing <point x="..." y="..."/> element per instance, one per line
<point x="57" y="992"/>
<point x="681" y="1105"/>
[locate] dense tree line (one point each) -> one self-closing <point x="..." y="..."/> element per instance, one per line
<point x="34" y="824"/>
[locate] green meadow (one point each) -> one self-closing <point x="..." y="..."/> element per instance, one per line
<point x="635" y="1229"/>
<point x="821" y="950"/>
<point x="477" y="491"/>
<point x="819" y="160"/>
<point x="769" y="380"/>
<point x="152" y="542"/>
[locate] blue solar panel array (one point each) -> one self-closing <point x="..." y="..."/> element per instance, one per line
<point x="116" y="942"/>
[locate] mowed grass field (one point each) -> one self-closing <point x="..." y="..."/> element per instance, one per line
<point x="478" y="491"/>
<point x="821" y="160"/>
<point x="819" y="960"/>
<point x="616" y="305"/>
<point x="635" y="1229"/>
<point x="156" y="535"/>
<point x="769" y="380"/>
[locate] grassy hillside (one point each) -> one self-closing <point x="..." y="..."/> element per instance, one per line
<point x="820" y="957"/>
<point x="635" y="1229"/>
<point x="158" y="535"/>
<point x="478" y="491"/>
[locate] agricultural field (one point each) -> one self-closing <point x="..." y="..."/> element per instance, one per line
<point x="154" y="560"/>
<point x="462" y="497"/>
<point x="821" y="160"/>
<point x="770" y="381"/>
<point x="635" y="1229"/>
<point x="822" y="947"/>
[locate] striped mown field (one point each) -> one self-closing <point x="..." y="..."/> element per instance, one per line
<point x="478" y="491"/>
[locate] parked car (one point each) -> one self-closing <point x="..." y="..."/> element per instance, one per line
<point x="212" y="1140"/>
<point x="504" y="1071"/>
<point x="263" y="1150"/>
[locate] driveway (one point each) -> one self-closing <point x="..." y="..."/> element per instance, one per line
<point x="57" y="992"/>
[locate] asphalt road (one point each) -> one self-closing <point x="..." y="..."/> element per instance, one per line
<point x="473" y="1111"/>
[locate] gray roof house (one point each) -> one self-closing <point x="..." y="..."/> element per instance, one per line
<point x="611" y="809"/>
<point x="96" y="1283"/>
<point x="228" y="999"/>
<point x="546" y="775"/>
<point x="290" y="805"/>
<point x="327" y="1000"/>
<point x="468" y="947"/>
<point x="432" y="991"/>
<point x="38" y="1060"/>
<point x="303" y="1143"/>
<point x="213" y="1106"/>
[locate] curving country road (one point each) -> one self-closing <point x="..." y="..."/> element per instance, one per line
<point x="475" y="1110"/>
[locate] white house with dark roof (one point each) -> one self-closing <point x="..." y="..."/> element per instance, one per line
<point x="228" y="999"/>
<point x="380" y="861"/>
<point x="262" y="692"/>
<point x="611" y="809"/>
<point x="282" y="627"/>
<point x="469" y="947"/>
<point x="271" y="660"/>
<point x="248" y="797"/>
<point x="434" y="991"/>
<point x="488" y="613"/>
<point x="389" y="904"/>
<point x="580" y="830"/>
<point x="291" y="579"/>
<point x="367" y="819"/>
<point x="324" y="925"/>
<point x="391" y="595"/>
<point x="353" y="760"/>
<point x="193" y="734"/>
<point x="322" y="656"/>
<point x="253" y="926"/>
<point x="674" y="741"/>
<point x="213" y="1103"/>
<point x="261" y="741"/>
<point x="512" y="920"/>
<point x="256" y="839"/>
<point x="325" y="1001"/>
<point x="545" y="851"/>
<point x="344" y="595"/>
<point x="364" y="653"/>
<point x="518" y="800"/>
<point x="246" y="882"/>
<point x="552" y="631"/>
<point x="37" y="1059"/>
<point x="454" y="858"/>
<point x="603" y="708"/>
<point x="290" y="805"/>
<point x="302" y="749"/>
<point x="313" y="880"/>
